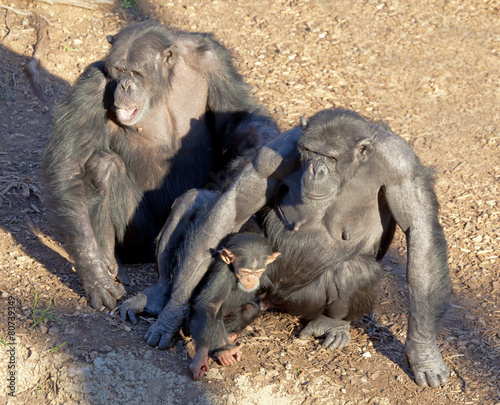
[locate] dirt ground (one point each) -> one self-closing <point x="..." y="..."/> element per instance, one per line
<point x="431" y="69"/>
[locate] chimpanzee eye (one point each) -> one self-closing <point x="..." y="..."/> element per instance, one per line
<point x="120" y="69"/>
<point x="136" y="73"/>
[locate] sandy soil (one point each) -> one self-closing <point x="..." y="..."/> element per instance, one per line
<point x="431" y="69"/>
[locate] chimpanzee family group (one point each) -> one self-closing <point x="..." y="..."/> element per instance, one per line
<point x="300" y="224"/>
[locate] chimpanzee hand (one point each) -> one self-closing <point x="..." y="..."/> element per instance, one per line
<point x="426" y="363"/>
<point x="164" y="332"/>
<point x="336" y="332"/>
<point x="97" y="276"/>
<point x="152" y="301"/>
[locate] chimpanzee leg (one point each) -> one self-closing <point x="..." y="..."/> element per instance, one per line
<point x="113" y="199"/>
<point x="352" y="292"/>
<point x="184" y="214"/>
<point x="241" y="317"/>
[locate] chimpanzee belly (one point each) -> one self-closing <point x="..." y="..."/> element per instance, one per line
<point x="316" y="272"/>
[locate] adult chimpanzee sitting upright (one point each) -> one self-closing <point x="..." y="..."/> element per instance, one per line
<point x="330" y="193"/>
<point x="163" y="112"/>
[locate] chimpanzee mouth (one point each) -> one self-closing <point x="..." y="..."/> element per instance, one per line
<point x="126" y="115"/>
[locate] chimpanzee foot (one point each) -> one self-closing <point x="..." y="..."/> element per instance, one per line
<point x="151" y="301"/>
<point x="228" y="355"/>
<point x="426" y="363"/>
<point x="336" y="331"/>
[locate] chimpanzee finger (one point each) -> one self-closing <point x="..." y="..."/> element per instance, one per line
<point x="332" y="341"/>
<point x="346" y="338"/>
<point x="131" y="316"/>
<point x="306" y="333"/>
<point x="152" y="337"/>
<point x="124" y="311"/>
<point x="433" y="379"/>
<point x="167" y="341"/>
<point x="95" y="300"/>
<point x="107" y="299"/>
<point x="421" y="379"/>
<point x="117" y="291"/>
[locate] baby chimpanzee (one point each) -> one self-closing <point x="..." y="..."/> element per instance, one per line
<point x="224" y="301"/>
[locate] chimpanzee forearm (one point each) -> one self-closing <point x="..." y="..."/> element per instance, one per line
<point x="415" y="208"/>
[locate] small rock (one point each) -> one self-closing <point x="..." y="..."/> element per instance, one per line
<point x="231" y="399"/>
<point x="43" y="328"/>
<point x="214" y="373"/>
<point x="54" y="331"/>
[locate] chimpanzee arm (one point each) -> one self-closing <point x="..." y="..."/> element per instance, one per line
<point x="183" y="217"/>
<point x="206" y="317"/>
<point x="206" y="309"/>
<point x="247" y="194"/>
<point x="414" y="205"/>
<point x="79" y="130"/>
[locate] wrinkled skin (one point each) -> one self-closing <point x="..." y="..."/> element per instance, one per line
<point x="330" y="194"/>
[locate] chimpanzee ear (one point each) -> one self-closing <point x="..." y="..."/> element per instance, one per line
<point x="364" y="149"/>
<point x="170" y="55"/>
<point x="110" y="39"/>
<point x="272" y="258"/>
<point x="303" y="122"/>
<point x="226" y="256"/>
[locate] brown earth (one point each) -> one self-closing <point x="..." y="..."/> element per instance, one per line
<point x="431" y="69"/>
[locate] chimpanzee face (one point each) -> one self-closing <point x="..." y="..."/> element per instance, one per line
<point x="331" y="152"/>
<point x="139" y="67"/>
<point x="249" y="255"/>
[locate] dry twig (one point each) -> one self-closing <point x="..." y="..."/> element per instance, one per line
<point x="15" y="11"/>
<point x="90" y="4"/>
<point x="7" y="18"/>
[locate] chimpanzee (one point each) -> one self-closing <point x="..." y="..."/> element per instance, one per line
<point x="163" y="113"/>
<point x="224" y="300"/>
<point x="330" y="193"/>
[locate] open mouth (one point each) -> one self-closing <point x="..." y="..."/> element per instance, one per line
<point x="126" y="115"/>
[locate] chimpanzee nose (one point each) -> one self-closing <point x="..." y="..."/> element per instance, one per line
<point x="127" y="84"/>
<point x="317" y="170"/>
